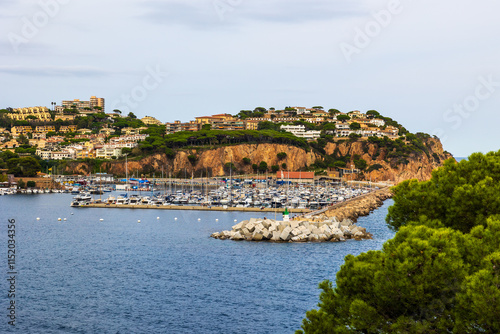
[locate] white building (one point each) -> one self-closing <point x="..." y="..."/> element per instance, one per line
<point x="378" y="122"/>
<point x="300" y="131"/>
<point x="56" y="155"/>
<point x="108" y="151"/>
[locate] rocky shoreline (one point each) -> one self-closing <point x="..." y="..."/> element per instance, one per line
<point x="335" y="224"/>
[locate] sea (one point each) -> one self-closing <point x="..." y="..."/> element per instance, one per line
<point x="157" y="271"/>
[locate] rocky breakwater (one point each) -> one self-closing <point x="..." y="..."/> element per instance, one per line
<point x="314" y="230"/>
<point x="360" y="206"/>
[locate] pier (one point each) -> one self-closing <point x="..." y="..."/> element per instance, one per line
<point x="190" y="207"/>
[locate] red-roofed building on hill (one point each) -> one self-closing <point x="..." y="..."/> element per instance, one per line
<point x="296" y="177"/>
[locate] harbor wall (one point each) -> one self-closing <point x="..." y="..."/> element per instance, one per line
<point x="359" y="206"/>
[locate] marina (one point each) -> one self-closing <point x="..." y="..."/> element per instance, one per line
<point x="231" y="197"/>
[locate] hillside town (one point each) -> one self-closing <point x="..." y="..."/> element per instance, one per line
<point x="78" y="129"/>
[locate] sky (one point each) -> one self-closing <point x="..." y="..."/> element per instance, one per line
<point x="434" y="66"/>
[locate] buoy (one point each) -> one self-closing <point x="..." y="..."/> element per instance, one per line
<point x="37" y="218"/>
<point x="101" y="219"/>
<point x="175" y="218"/>
<point x="199" y="219"/>
<point x="216" y="219"/>
<point x="64" y="219"/>
<point x="235" y="220"/>
<point x="71" y="213"/>
<point x="158" y="218"/>
<point x="59" y="219"/>
<point x="139" y="221"/>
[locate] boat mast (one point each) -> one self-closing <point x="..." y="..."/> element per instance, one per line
<point x="231" y="182"/>
<point x="126" y="174"/>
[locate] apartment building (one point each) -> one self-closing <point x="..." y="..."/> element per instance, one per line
<point x="178" y="126"/>
<point x="150" y="120"/>
<point x="84" y="107"/>
<point x="22" y="114"/>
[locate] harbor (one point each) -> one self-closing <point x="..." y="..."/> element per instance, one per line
<point x="232" y="196"/>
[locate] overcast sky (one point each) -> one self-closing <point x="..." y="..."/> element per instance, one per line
<point x="434" y="66"/>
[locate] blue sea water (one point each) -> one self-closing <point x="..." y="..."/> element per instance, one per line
<point x="162" y="275"/>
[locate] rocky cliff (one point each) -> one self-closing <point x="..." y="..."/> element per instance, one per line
<point x="386" y="166"/>
<point x="411" y="166"/>
<point x="212" y="161"/>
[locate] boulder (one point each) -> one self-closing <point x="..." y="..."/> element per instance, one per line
<point x="238" y="226"/>
<point x="322" y="237"/>
<point x="250" y="226"/>
<point x="276" y="236"/>
<point x="252" y="221"/>
<point x="325" y="228"/>
<point x="257" y="237"/>
<point x="313" y="237"/>
<point x="294" y="224"/>
<point x="285" y="235"/>
<point x="334" y="225"/>
<point x="237" y="236"/>
<point x="315" y="230"/>
<point x="346" y="222"/>
<point x="266" y="223"/>
<point x="337" y="234"/>
<point x="359" y="234"/>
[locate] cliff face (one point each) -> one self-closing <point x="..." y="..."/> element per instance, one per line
<point x="415" y="166"/>
<point x="213" y="161"/>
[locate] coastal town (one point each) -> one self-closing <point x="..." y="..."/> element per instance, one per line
<point x="83" y="129"/>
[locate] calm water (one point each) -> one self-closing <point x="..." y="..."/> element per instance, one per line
<point x="162" y="275"/>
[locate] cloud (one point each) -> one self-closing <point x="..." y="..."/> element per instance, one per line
<point x="54" y="71"/>
<point x="213" y="13"/>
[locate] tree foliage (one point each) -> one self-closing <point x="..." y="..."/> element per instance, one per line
<point x="25" y="166"/>
<point x="460" y="195"/>
<point x="425" y="280"/>
<point x="441" y="271"/>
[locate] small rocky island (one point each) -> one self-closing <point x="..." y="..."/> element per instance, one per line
<point x="296" y="230"/>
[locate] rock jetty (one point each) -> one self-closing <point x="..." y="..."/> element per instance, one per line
<point x="315" y="230"/>
<point x="360" y="206"/>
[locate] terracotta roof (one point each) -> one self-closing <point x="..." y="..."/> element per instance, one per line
<point x="295" y="175"/>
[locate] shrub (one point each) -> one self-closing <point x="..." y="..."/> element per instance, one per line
<point x="192" y="159"/>
<point x="281" y="155"/>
